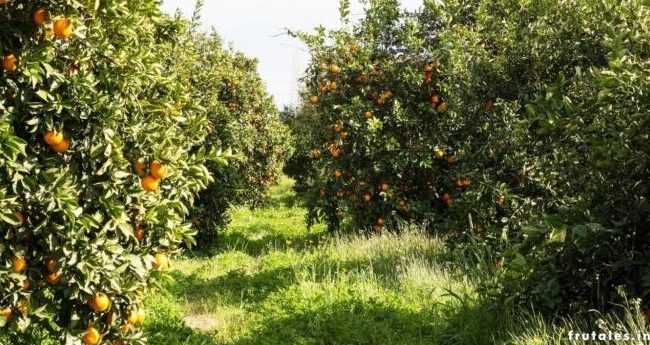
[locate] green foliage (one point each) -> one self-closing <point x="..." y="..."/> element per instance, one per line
<point x="243" y="118"/>
<point x="511" y="121"/>
<point x="68" y="213"/>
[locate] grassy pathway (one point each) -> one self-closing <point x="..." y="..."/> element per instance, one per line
<point x="272" y="282"/>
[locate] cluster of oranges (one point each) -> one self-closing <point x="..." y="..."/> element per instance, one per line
<point x="61" y="28"/>
<point x="157" y="171"/>
<point x="57" y="142"/>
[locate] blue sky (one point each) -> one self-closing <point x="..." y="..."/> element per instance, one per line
<point x="256" y="27"/>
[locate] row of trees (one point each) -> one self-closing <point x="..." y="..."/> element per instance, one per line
<point x="113" y="118"/>
<point x="521" y="124"/>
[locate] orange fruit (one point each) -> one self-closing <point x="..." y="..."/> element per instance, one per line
<point x="150" y="183"/>
<point x="333" y="86"/>
<point x="139" y="167"/>
<point x="447" y="199"/>
<point x="92" y="336"/>
<point x="139" y="233"/>
<point x="40" y="15"/>
<point x="20" y="218"/>
<point x="4" y="2"/>
<point x="367" y="197"/>
<point x="384" y="186"/>
<point x="61" y="147"/>
<point x="62" y="28"/>
<point x="381" y="221"/>
<point x="335" y="69"/>
<point x="368" y="115"/>
<point x="158" y="170"/>
<point x="18" y="264"/>
<point x="438" y="153"/>
<point x="141" y="316"/>
<point x="10" y="63"/>
<point x="322" y="66"/>
<point x="5" y="313"/>
<point x="434" y="100"/>
<point x="53" y="278"/>
<point x="338" y="173"/>
<point x="442" y="108"/>
<point x="160" y="261"/>
<point x="428" y="68"/>
<point x="402" y="203"/>
<point x="313" y="99"/>
<point x="133" y="317"/>
<point x="451" y="159"/>
<point x="53" y="138"/>
<point x="100" y="303"/>
<point x="51" y="265"/>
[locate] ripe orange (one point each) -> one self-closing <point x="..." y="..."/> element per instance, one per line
<point x="367" y="197"/>
<point x="463" y="182"/>
<point x="10" y="63"/>
<point x="438" y="153"/>
<point x="338" y="173"/>
<point x="139" y="233"/>
<point x="150" y="183"/>
<point x="18" y="264"/>
<point x="141" y="316"/>
<point x="158" y="170"/>
<point x="335" y="69"/>
<point x="447" y="199"/>
<point x="384" y="186"/>
<point x="20" y="218"/>
<point x="51" y="265"/>
<point x="61" y="147"/>
<point x="313" y="99"/>
<point x="368" y="115"/>
<point x="333" y="86"/>
<point x="160" y="261"/>
<point x="139" y="167"/>
<point x="53" y="138"/>
<point x="402" y="203"/>
<point x="5" y="313"/>
<point x="40" y="15"/>
<point x="62" y="28"/>
<point x="322" y="66"/>
<point x="92" y="336"/>
<point x="381" y="221"/>
<point x="442" y="108"/>
<point x="53" y="278"/>
<point x="100" y="303"/>
<point x="338" y="128"/>
<point x="434" y="100"/>
<point x="4" y="2"/>
<point x="428" y="68"/>
<point x="133" y="317"/>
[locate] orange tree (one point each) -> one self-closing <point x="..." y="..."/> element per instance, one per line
<point x="503" y="119"/>
<point x="243" y="119"/>
<point x="97" y="167"/>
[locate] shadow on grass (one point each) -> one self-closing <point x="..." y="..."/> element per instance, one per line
<point x="258" y="246"/>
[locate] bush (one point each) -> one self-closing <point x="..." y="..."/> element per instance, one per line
<point x="101" y="154"/>
<point x="509" y="121"/>
<point x="243" y="118"/>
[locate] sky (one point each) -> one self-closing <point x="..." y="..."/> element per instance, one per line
<point x="257" y="28"/>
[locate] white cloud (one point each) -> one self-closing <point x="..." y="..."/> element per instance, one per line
<point x="256" y="27"/>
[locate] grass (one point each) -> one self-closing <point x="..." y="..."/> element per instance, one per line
<point x="273" y="282"/>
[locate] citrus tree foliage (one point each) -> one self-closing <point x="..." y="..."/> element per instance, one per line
<point x="101" y="154"/>
<point x="243" y="118"/>
<point x="520" y="123"/>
